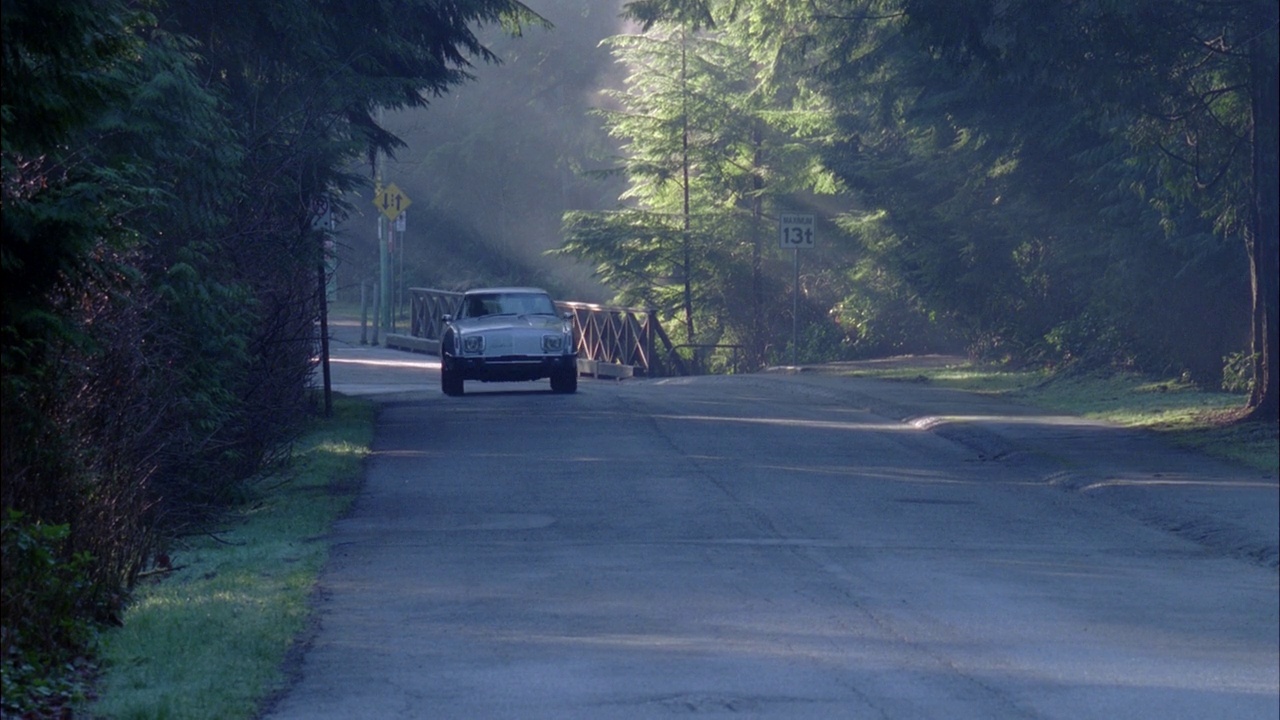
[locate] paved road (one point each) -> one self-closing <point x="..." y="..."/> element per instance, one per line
<point x="782" y="546"/>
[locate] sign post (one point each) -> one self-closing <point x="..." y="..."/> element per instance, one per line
<point x="391" y="202"/>
<point x="796" y="231"/>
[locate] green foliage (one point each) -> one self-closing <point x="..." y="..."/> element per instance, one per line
<point x="60" y="210"/>
<point x="44" y="597"/>
<point x="694" y="14"/>
<point x="77" y="446"/>
<point x="881" y="317"/>
<point x="1019" y="201"/>
<point x="1048" y="201"/>
<point x="713" y="146"/>
<point x="669" y="123"/>
<point x="208" y="638"/>
<point x="159" y="263"/>
<point x="1181" y="96"/>
<point x="818" y="342"/>
<point x="44" y="585"/>
<point x="1237" y="373"/>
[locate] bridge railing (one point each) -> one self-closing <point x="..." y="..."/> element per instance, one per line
<point x="611" y="340"/>
<point x="719" y="358"/>
<point x="427" y="310"/>
<point x="622" y="336"/>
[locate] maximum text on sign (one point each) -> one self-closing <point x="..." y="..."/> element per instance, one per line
<point x="796" y="231"/>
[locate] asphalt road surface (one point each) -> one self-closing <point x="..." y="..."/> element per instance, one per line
<point x="782" y="545"/>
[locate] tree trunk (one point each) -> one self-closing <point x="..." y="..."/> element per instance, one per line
<point x="757" y="343"/>
<point x="1263" y="236"/>
<point x="684" y="163"/>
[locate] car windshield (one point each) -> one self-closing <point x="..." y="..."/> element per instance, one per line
<point x="481" y="304"/>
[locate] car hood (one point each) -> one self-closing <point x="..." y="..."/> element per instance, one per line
<point x="511" y="323"/>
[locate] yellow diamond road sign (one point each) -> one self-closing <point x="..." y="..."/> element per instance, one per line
<point x="391" y="201"/>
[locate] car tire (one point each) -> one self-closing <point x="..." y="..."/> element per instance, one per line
<point x="450" y="380"/>
<point x="565" y="382"/>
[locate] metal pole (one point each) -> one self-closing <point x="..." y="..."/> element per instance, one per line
<point x="377" y="311"/>
<point x="384" y="274"/>
<point x="393" y="293"/>
<point x="323" y="290"/>
<point x="364" y="312"/>
<point x="795" y="313"/>
<point x="401" y="291"/>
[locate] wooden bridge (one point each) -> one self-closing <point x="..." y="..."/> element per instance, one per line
<point x="612" y="342"/>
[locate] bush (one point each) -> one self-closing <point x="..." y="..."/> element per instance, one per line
<point x="1237" y="372"/>
<point x="47" y="627"/>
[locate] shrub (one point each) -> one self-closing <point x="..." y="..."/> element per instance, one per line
<point x="1237" y="372"/>
<point x="47" y="626"/>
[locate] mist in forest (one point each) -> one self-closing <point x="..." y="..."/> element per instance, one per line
<point x="491" y="167"/>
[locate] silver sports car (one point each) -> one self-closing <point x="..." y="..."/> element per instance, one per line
<point x="507" y="334"/>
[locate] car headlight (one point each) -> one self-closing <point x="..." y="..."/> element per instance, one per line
<point x="552" y="343"/>
<point x="473" y="344"/>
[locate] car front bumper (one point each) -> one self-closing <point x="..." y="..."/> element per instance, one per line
<point x="506" y="368"/>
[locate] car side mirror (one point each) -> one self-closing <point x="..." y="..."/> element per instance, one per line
<point x="567" y="315"/>
<point x="446" y="317"/>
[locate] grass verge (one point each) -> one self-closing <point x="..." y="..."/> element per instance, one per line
<point x="1182" y="412"/>
<point x="208" y="640"/>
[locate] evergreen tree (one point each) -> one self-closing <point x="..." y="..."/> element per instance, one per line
<point x="712" y="141"/>
<point x="161" y="174"/>
<point x="671" y="124"/>
<point x="1189" y="86"/>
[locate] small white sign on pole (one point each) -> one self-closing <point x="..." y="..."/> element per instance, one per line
<point x="796" y="231"/>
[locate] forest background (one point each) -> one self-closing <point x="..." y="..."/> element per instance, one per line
<point x="1092" y="185"/>
<point x="1064" y="188"/>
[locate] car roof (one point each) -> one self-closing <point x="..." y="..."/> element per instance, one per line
<point x="495" y="290"/>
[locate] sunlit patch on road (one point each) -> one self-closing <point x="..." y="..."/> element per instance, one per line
<point x="791" y="422"/>
<point x="382" y="363"/>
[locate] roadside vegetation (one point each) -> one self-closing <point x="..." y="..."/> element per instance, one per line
<point x="1177" y="409"/>
<point x="168" y="177"/>
<point x="976" y="180"/>
<point x="205" y="636"/>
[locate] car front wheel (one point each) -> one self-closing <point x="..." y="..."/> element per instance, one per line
<point x="450" y="380"/>
<point x="565" y="381"/>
